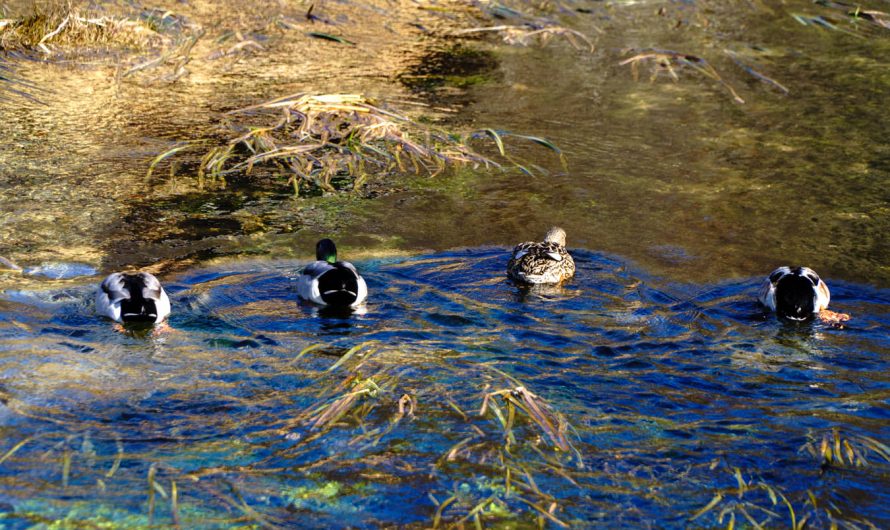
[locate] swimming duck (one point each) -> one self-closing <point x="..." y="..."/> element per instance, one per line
<point x="795" y="293"/>
<point x="331" y="282"/>
<point x="544" y="262"/>
<point x="136" y="297"/>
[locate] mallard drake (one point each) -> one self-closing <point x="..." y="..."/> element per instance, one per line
<point x="542" y="262"/>
<point x="331" y="282"/>
<point x="795" y="293"/>
<point x="136" y="297"/>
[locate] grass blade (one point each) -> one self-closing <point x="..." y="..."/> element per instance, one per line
<point x="328" y="36"/>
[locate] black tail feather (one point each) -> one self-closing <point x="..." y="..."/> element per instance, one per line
<point x="338" y="287"/>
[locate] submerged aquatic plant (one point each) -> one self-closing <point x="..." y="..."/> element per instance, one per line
<point x="331" y="142"/>
<point x="12" y="85"/>
<point x="763" y="505"/>
<point x="524" y="35"/>
<point x="853" y="13"/>
<point x="551" y="423"/>
<point x="756" y="74"/>
<point x="515" y="460"/>
<point x="841" y="450"/>
<point x="666" y="61"/>
<point x="529" y="24"/>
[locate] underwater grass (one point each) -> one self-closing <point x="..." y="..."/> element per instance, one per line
<point x="12" y="85"/>
<point x="334" y="142"/>
<point x="530" y="24"/>
<point x="667" y="61"/>
<point x="176" y="56"/>
<point x="502" y="467"/>
<point x="525" y="35"/>
<point x="762" y="505"/>
<point x="756" y="74"/>
<point x="851" y="14"/>
<point x="842" y="450"/>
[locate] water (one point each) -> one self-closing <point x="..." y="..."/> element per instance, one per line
<point x="668" y="389"/>
<point x="673" y="389"/>
<point x="735" y="189"/>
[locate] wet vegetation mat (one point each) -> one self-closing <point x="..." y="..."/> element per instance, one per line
<point x="334" y="142"/>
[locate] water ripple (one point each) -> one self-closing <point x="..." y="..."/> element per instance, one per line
<point x="665" y="389"/>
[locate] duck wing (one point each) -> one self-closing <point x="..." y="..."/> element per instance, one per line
<point x="553" y="251"/>
<point x="767" y="292"/>
<point x="115" y="288"/>
<point x="522" y="249"/>
<point x="307" y="283"/>
<point x="151" y="287"/>
<point x="317" y="268"/>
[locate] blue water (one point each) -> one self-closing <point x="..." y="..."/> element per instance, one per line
<point x="670" y="393"/>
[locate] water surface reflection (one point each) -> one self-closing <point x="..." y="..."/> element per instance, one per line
<point x="261" y="408"/>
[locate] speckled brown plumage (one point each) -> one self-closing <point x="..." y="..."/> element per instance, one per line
<point x="547" y="261"/>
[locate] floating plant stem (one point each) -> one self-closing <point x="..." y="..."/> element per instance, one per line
<point x="668" y="61"/>
<point x="348" y="355"/>
<point x="553" y="424"/>
<point x="174" y="504"/>
<point x="14" y="449"/>
<point x="166" y="154"/>
<point x="750" y="70"/>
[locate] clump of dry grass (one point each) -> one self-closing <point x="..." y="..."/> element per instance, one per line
<point x="69" y="26"/>
<point x="70" y="31"/>
<point x="332" y="142"/>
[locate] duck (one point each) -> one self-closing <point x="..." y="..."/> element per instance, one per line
<point x="547" y="261"/>
<point x="329" y="282"/>
<point x="132" y="298"/>
<point x="795" y="293"/>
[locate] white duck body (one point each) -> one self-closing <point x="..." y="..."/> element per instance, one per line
<point x="330" y="282"/>
<point x="136" y="297"/>
<point x="796" y="293"/>
<point x="547" y="261"/>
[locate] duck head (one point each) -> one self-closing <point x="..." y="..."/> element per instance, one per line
<point x="326" y="250"/>
<point x="556" y="235"/>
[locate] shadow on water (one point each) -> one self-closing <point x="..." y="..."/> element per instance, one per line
<point x="643" y="401"/>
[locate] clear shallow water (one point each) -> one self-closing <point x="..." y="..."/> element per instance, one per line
<point x="732" y="189"/>
<point x="668" y="388"/>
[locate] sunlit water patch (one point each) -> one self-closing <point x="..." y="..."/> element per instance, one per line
<point x="618" y="399"/>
